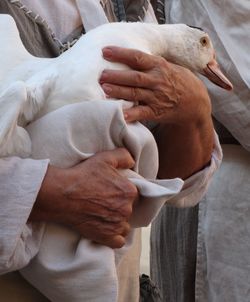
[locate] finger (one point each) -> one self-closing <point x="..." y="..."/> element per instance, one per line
<point x="119" y="158"/>
<point x="116" y="242"/>
<point x="101" y="231"/>
<point x="113" y="241"/>
<point x="128" y="78"/>
<point x="126" y="230"/>
<point x="133" y="58"/>
<point x="113" y="229"/>
<point x="132" y="94"/>
<point x="139" y="113"/>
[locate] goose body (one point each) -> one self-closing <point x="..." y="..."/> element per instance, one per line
<point x="30" y="87"/>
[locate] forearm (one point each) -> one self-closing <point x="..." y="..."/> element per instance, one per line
<point x="185" y="135"/>
<point x="184" y="149"/>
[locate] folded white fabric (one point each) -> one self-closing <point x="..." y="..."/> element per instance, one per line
<point x="68" y="267"/>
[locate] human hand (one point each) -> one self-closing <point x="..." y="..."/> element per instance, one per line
<point x="91" y="197"/>
<point x="165" y="92"/>
<point x="171" y="95"/>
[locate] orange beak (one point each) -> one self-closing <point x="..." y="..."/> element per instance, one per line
<point x="215" y="75"/>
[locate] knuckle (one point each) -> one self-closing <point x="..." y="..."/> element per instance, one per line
<point x="160" y="94"/>
<point x="127" y="211"/>
<point x="138" y="59"/>
<point x="158" y="111"/>
<point x="144" y="112"/>
<point x="135" y="94"/>
<point x="139" y="78"/>
<point x="131" y="191"/>
<point x="161" y="61"/>
<point x="124" y="152"/>
<point x="127" y="229"/>
<point x="117" y="242"/>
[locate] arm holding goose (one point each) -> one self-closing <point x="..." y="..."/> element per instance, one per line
<point x="173" y="97"/>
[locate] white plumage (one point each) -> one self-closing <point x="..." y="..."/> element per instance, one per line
<point x="31" y="87"/>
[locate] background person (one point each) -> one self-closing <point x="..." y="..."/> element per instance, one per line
<point x="213" y="266"/>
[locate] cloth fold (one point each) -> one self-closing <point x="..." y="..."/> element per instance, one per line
<point x="102" y="127"/>
<point x="82" y="130"/>
<point x="92" y="13"/>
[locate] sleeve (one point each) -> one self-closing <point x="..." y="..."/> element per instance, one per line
<point x="195" y="187"/>
<point x="20" y="181"/>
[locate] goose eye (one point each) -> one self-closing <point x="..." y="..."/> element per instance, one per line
<point x="204" y="41"/>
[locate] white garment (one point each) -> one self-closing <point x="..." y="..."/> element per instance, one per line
<point x="62" y="16"/>
<point x="232" y="109"/>
<point x="222" y="269"/>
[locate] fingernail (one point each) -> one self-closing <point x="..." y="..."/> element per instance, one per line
<point x="103" y="77"/>
<point x="107" y="89"/>
<point x="125" y="115"/>
<point x="107" y="52"/>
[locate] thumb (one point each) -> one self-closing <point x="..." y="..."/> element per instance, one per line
<point x="118" y="158"/>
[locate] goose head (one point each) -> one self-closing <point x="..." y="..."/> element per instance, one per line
<point x="194" y="50"/>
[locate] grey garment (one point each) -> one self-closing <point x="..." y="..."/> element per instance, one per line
<point x="173" y="253"/>
<point x="225" y="136"/>
<point x="36" y="36"/>
<point x="159" y="9"/>
<point x="130" y="10"/>
<point x="222" y="267"/>
<point x="228" y="34"/>
<point x="223" y="258"/>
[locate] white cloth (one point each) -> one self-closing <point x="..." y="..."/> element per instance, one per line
<point x="92" y="13"/>
<point x="44" y="134"/>
<point x="62" y="252"/>
<point x="62" y="16"/>
<point x="20" y="181"/>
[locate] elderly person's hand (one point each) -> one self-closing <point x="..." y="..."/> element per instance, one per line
<point x="171" y="95"/>
<point x="91" y="197"/>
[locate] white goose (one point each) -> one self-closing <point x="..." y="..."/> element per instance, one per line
<point x="31" y="87"/>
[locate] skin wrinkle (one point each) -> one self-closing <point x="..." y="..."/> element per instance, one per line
<point x="103" y="219"/>
<point x="178" y="101"/>
<point x="160" y="82"/>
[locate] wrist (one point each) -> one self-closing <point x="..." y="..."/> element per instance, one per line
<point x="49" y="202"/>
<point x="184" y="149"/>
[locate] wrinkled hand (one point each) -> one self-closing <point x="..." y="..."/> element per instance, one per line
<point x="92" y="198"/>
<point x="171" y="95"/>
<point x="165" y="92"/>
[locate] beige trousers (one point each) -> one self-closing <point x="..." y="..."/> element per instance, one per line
<point x="14" y="288"/>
